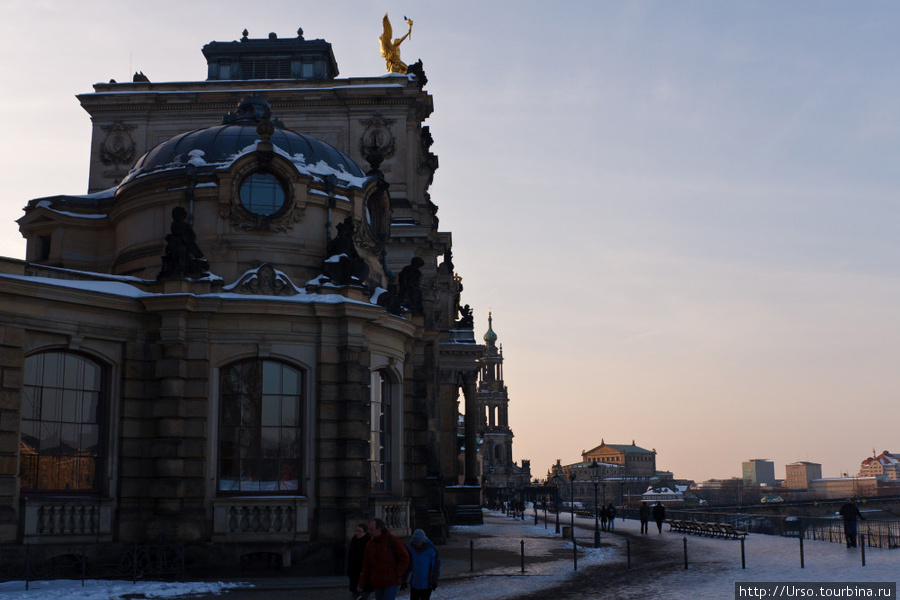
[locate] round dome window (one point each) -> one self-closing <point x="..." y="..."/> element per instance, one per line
<point x="262" y="194"/>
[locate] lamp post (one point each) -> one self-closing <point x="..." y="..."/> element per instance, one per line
<point x="556" y="497"/>
<point x="572" y="479"/>
<point x="574" y="543"/>
<point x="595" y="479"/>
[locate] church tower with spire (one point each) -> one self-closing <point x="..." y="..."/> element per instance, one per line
<point x="492" y="402"/>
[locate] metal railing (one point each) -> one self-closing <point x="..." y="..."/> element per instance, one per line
<point x="85" y="561"/>
<point x="878" y="534"/>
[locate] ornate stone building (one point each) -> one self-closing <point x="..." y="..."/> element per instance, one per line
<point x="244" y="336"/>
<point x="501" y="476"/>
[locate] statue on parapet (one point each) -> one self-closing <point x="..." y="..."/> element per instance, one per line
<point x="409" y="285"/>
<point x="344" y="265"/>
<point x="390" y="48"/>
<point x="467" y="321"/>
<point x="183" y="257"/>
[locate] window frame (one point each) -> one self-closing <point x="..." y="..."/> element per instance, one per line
<point x="247" y="180"/>
<point x="101" y="421"/>
<point x="298" y="462"/>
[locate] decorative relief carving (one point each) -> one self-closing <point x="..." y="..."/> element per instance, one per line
<point x="243" y="220"/>
<point x="264" y="281"/>
<point x="377" y="143"/>
<point x="118" y="148"/>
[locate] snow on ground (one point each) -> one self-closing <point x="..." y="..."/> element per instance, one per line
<point x="107" y="590"/>
<point x="714" y="565"/>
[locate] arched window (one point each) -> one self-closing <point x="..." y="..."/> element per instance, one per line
<point x="381" y="434"/>
<point x="260" y="427"/>
<point x="60" y="443"/>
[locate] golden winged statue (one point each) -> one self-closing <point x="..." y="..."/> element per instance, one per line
<point x="390" y="48"/>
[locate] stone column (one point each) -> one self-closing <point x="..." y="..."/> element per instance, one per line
<point x="12" y="362"/>
<point x="467" y="382"/>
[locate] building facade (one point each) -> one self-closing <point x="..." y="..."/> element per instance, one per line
<point x="799" y="474"/>
<point x="883" y="466"/>
<point x="758" y="471"/>
<point x="244" y="336"/>
<point x="636" y="461"/>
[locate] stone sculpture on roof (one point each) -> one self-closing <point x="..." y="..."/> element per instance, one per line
<point x="183" y="258"/>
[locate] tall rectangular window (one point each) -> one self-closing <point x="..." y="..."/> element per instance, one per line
<point x="380" y="438"/>
<point x="260" y="427"/>
<point x="60" y="438"/>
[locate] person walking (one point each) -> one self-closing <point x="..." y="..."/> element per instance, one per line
<point x="644" y="514"/>
<point x="424" y="567"/>
<point x="850" y="513"/>
<point x="659" y="515"/>
<point x="385" y="560"/>
<point x="611" y="516"/>
<point x="355" y="559"/>
<point x="603" y="517"/>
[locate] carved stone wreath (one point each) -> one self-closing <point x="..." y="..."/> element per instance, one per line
<point x="118" y="147"/>
<point x="377" y="137"/>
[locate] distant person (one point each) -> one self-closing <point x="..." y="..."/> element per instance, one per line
<point x="603" y="517"/>
<point x="659" y="515"/>
<point x="644" y="515"/>
<point x="355" y="559"/>
<point x="424" y="567"/>
<point x="850" y="513"/>
<point x="611" y="516"/>
<point x="385" y="561"/>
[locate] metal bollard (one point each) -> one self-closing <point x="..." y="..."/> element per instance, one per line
<point x="685" y="554"/>
<point x="523" y="555"/>
<point x="802" y="565"/>
<point x="471" y="556"/>
<point x="862" y="548"/>
<point x="743" y="555"/>
<point x="628" y="553"/>
<point x="574" y="549"/>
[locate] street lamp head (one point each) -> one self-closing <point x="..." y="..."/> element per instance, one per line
<point x="572" y="475"/>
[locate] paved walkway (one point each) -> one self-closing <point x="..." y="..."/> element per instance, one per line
<point x="494" y="548"/>
<point x="486" y="562"/>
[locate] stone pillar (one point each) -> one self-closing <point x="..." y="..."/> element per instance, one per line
<point x="467" y="383"/>
<point x="341" y="442"/>
<point x="12" y="362"/>
<point x="178" y="432"/>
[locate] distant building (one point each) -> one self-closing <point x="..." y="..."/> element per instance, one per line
<point x="501" y="477"/>
<point x="883" y="466"/>
<point x="638" y="462"/>
<point x="664" y="494"/>
<point x="758" y="471"/>
<point x="844" y="487"/>
<point x="623" y="473"/>
<point x="799" y="474"/>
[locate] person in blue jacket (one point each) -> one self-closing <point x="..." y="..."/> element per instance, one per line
<point x="424" y="567"/>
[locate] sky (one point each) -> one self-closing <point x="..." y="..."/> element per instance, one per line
<point x="714" y="568"/>
<point x="682" y="215"/>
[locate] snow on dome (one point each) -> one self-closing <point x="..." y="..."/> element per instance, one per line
<point x="220" y="145"/>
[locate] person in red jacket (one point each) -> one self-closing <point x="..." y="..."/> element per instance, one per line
<point x="385" y="560"/>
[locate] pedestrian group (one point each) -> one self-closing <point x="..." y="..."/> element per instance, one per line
<point x="380" y="564"/>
